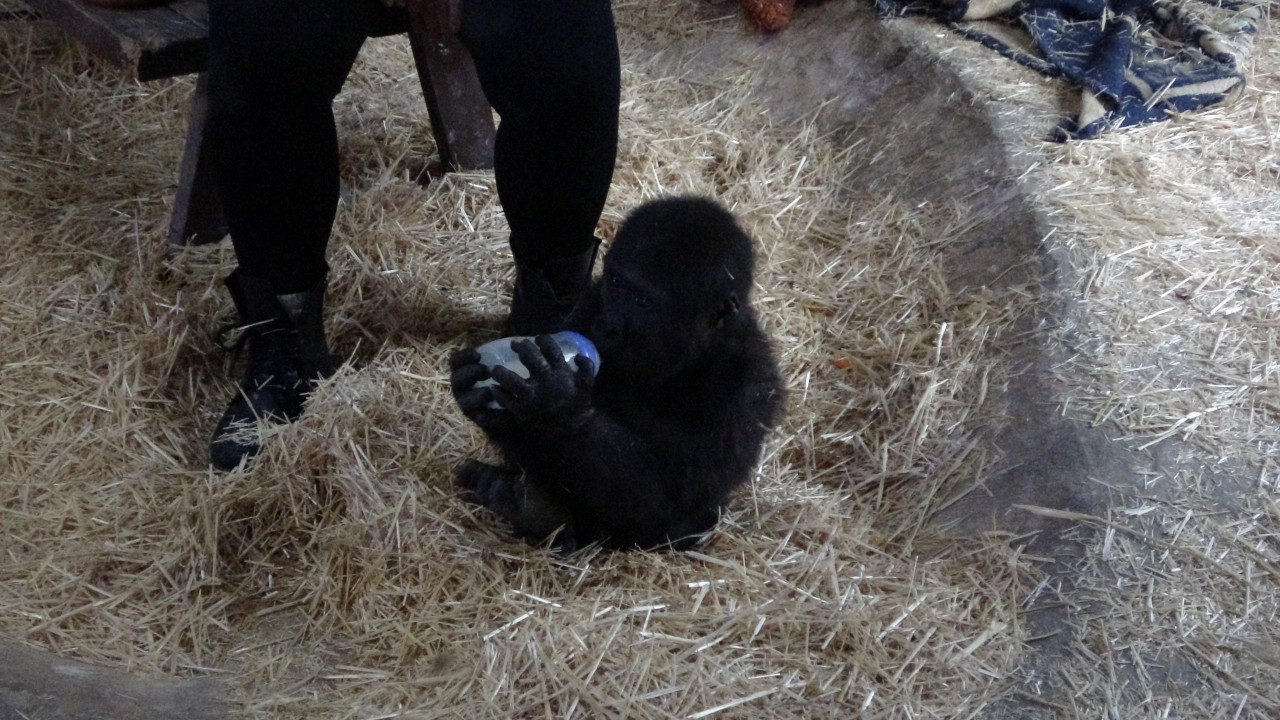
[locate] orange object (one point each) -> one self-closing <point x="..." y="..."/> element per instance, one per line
<point x="769" y="15"/>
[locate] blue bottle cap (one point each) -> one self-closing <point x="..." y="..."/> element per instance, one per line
<point x="585" y="348"/>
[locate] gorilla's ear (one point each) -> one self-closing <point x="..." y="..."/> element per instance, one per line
<point x="727" y="310"/>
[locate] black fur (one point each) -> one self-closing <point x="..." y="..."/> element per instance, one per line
<point x="645" y="454"/>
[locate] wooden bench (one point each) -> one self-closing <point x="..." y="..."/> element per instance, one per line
<point x="169" y="40"/>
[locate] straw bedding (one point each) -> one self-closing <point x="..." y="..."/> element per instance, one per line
<point x="340" y="576"/>
<point x="1170" y="349"/>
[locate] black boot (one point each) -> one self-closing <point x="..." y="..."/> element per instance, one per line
<point x="287" y="354"/>
<point x="545" y="294"/>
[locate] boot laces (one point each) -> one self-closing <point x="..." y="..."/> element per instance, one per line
<point x="270" y="361"/>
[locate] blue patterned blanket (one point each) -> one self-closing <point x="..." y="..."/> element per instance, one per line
<point x="1136" y="61"/>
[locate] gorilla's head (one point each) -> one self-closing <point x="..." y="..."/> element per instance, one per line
<point x="676" y="279"/>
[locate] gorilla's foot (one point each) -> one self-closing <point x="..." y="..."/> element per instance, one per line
<point x="534" y="513"/>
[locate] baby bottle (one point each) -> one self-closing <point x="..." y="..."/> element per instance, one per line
<point x="499" y="353"/>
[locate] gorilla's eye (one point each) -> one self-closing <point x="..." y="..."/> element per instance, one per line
<point x="643" y="302"/>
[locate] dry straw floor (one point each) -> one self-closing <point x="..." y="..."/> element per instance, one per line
<point x="1170" y="346"/>
<point x="340" y="576"/>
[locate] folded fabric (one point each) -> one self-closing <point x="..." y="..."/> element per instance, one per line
<point x="1136" y="61"/>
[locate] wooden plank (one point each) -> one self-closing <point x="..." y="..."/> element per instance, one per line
<point x="170" y="40"/>
<point x="461" y="119"/>
<point x="150" y="43"/>
<point x="163" y="41"/>
<point x="197" y="209"/>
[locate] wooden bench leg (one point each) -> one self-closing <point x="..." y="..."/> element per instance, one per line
<point x="461" y="119"/>
<point x="197" y="211"/>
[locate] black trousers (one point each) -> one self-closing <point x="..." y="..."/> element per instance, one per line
<point x="548" y="67"/>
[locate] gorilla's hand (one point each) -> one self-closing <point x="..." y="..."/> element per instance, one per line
<point x="475" y="402"/>
<point x="555" y="395"/>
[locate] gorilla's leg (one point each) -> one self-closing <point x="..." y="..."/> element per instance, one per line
<point x="533" y="512"/>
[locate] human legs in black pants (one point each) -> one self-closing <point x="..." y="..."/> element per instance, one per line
<point x="550" y="70"/>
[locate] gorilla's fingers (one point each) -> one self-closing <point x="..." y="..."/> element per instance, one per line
<point x="585" y="371"/>
<point x="477" y="405"/>
<point x="461" y="358"/>
<point x="513" y="399"/>
<point x="465" y="377"/>
<point x="551" y="351"/>
<point x="494" y="421"/>
<point x="533" y="354"/>
<point x="511" y="383"/>
<point x="500" y="396"/>
<point x="474" y="399"/>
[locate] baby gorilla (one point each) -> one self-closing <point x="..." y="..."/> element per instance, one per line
<point x="644" y="454"/>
